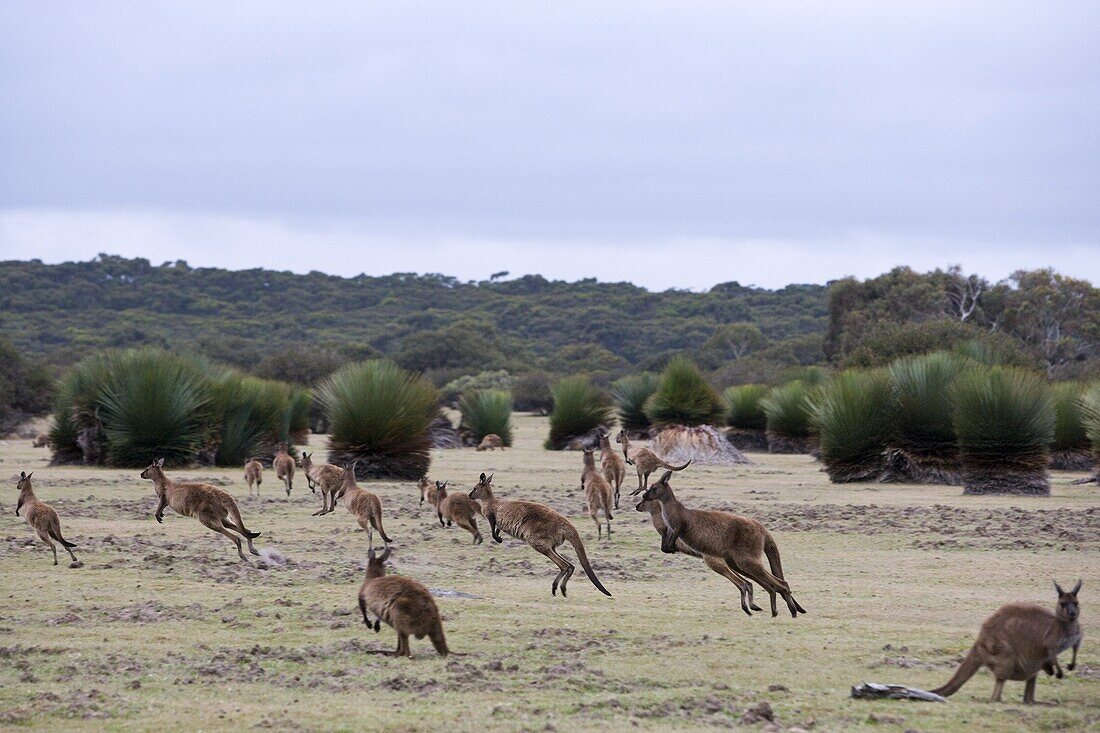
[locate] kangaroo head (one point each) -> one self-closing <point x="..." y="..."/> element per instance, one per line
<point x="589" y="457"/>
<point x="154" y="471"/>
<point x="621" y="437"/>
<point x="24" y="480"/>
<point x="660" y="490"/>
<point x="376" y="564"/>
<point x="646" y="505"/>
<point x="1068" y="608"/>
<point x="348" y="477"/>
<point x="423" y="484"/>
<point x="484" y="489"/>
<point x="605" y="441"/>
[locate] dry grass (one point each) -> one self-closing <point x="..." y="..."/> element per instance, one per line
<point x="164" y="628"/>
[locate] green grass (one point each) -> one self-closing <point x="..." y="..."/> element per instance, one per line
<point x="683" y="397"/>
<point x="630" y="395"/>
<point x="579" y="407"/>
<point x="487" y="412"/>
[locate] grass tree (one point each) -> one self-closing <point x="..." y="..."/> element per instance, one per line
<point x="745" y="416"/>
<point x="851" y="419"/>
<point x="487" y="412"/>
<point x="788" y="418"/>
<point x="298" y="414"/>
<point x="1004" y="419"/>
<point x="1089" y="402"/>
<point x="630" y="395"/>
<point x="252" y="416"/>
<point x="683" y="397"/>
<point x="579" y="410"/>
<point x="923" y="446"/>
<point x="1070" y="449"/>
<point x="380" y="415"/>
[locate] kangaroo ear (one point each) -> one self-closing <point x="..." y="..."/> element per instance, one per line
<point x="370" y="554"/>
<point x="1076" y="588"/>
<point x="22" y="474"/>
<point x="666" y="477"/>
<point x="490" y="479"/>
<point x="160" y="462"/>
<point x="483" y="478"/>
<point x="444" y="484"/>
<point x="385" y="555"/>
<point x="1059" y="589"/>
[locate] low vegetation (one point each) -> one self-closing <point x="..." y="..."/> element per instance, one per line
<point x="851" y="416"/>
<point x="486" y="412"/>
<point x="683" y="397"/>
<point x="787" y="408"/>
<point x="579" y="409"/>
<point x="630" y="395"/>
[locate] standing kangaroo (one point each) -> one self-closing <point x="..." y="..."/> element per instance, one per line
<point x="716" y="564"/>
<point x="738" y="540"/>
<point x="253" y="475"/>
<point x="210" y="505"/>
<point x="492" y="441"/>
<point x="284" y="466"/>
<point x="539" y="526"/>
<point x="457" y="508"/>
<point x="597" y="491"/>
<point x="365" y="506"/>
<point x="326" y="476"/>
<point x="1018" y="641"/>
<point x="41" y="517"/>
<point x="401" y="602"/>
<point x="644" y="461"/>
<point x="614" y="467"/>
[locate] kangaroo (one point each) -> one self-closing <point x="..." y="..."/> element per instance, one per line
<point x="402" y="603"/>
<point x="645" y="461"/>
<point x="1018" y="641"/>
<point x="41" y="441"/>
<point x="210" y="505"/>
<point x="457" y="508"/>
<point x="738" y="540"/>
<point x="597" y="491"/>
<point x="491" y="441"/>
<point x="254" y="474"/>
<point x="327" y="477"/>
<point x="540" y="527"/>
<point x="42" y="518"/>
<point x="614" y="467"/>
<point x="284" y="467"/>
<point x="366" y="507"/>
<point x="716" y="564"/>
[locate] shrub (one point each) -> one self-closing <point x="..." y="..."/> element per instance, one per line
<point x="379" y="415"/>
<point x="851" y="418"/>
<point x="788" y="411"/>
<point x="1004" y="419"/>
<point x="630" y="395"/>
<point x="499" y="380"/>
<point x="75" y="420"/>
<point x="1089" y="402"/>
<point x="487" y="412"/>
<point x="743" y="408"/>
<point x="922" y="441"/>
<point x="26" y="388"/>
<point x="252" y="415"/>
<point x="1070" y="433"/>
<point x="298" y="414"/>
<point x="579" y="408"/>
<point x="531" y="393"/>
<point x="683" y="397"/>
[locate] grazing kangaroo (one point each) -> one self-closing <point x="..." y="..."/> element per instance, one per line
<point x="644" y="461"/>
<point x="366" y="507"/>
<point x="210" y="505"/>
<point x="41" y="440"/>
<point x="597" y="491"/>
<point x="614" y="467"/>
<point x="738" y="540"/>
<point x="284" y="467"/>
<point x="254" y="474"/>
<point x="457" y="508"/>
<point x="326" y="476"/>
<point x="539" y="526"/>
<point x="716" y="564"/>
<point x="402" y="603"/>
<point x="41" y="517"/>
<point x="491" y="441"/>
<point x="1018" y="641"/>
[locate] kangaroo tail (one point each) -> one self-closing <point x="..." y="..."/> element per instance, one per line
<point x="605" y="499"/>
<point x="378" y="526"/>
<point x="575" y="540"/>
<point x="236" y="513"/>
<point x="439" y="641"/>
<point x="970" y="664"/>
<point x="670" y="467"/>
<point x="56" y="534"/>
<point x="771" y="550"/>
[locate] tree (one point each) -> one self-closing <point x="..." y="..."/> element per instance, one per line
<point x="734" y="341"/>
<point x="963" y="292"/>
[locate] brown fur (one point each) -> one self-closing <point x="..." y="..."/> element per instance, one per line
<point x="597" y="492"/>
<point x="42" y="518"/>
<point x="254" y="475"/>
<point x="539" y="526"/>
<point x="284" y="467"/>
<point x="613" y="465"/>
<point x="457" y="508"/>
<point x="1018" y="641"/>
<point x="491" y="441"/>
<point x="402" y="603"/>
<point x="215" y="509"/>
<point x="41" y="441"/>
<point x="365" y="506"/>
<point x="325" y="476"/>
<point x="738" y="540"/>
<point x="644" y="461"/>
<point x="716" y="564"/>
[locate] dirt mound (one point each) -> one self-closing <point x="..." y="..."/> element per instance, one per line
<point x="702" y="445"/>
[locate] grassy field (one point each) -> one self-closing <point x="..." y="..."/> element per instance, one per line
<point x="164" y="628"/>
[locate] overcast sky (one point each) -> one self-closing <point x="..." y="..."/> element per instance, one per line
<point x="674" y="144"/>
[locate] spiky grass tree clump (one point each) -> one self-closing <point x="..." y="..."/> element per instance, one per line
<point x="380" y="416"/>
<point x="745" y="416"/>
<point x="788" y="411"/>
<point x="580" y="409"/>
<point x="1070" y="449"/>
<point x="850" y="416"/>
<point x="923" y="446"/>
<point x="683" y="397"/>
<point x="297" y="415"/>
<point x="1089" y="403"/>
<point x="630" y="395"/>
<point x="76" y="433"/>
<point x="486" y="412"/>
<point x="252" y="416"/>
<point x="1004" y="420"/>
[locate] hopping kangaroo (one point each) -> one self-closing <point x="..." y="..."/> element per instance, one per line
<point x="644" y="461"/>
<point x="539" y="526"/>
<point x="597" y="492"/>
<point x="41" y="441"/>
<point x="325" y="476"/>
<point x="41" y="517"/>
<point x="254" y="475"/>
<point x="284" y="466"/>
<point x="365" y="506"/>
<point x="214" y="508"/>
<point x="1018" y="641"/>
<point x="738" y="540"/>
<point x="457" y="508"/>
<point x="491" y="441"/>
<point x="402" y="603"/>
<point x="614" y="467"/>
<point x="716" y="564"/>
